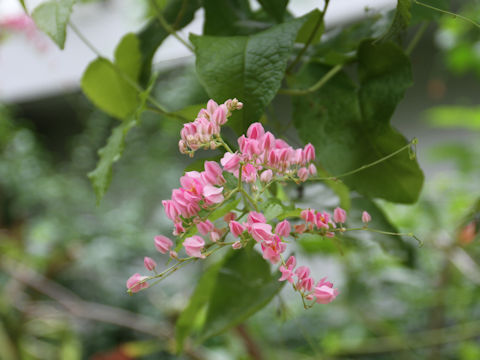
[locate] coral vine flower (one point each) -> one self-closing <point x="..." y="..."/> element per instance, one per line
<point x="194" y="246"/>
<point x="366" y="218"/>
<point x="149" y="263"/>
<point x="236" y="228"/>
<point x="162" y="243"/>
<point x="133" y="283"/>
<point x="339" y="215"/>
<point x="283" y="228"/>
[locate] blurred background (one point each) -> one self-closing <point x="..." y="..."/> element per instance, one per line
<point x="64" y="260"/>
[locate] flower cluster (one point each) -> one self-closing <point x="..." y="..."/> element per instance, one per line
<point x="260" y="161"/>
<point x="263" y="157"/>
<point x="203" y="132"/>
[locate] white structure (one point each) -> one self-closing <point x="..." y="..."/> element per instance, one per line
<point x="34" y="69"/>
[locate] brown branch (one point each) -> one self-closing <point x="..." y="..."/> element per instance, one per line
<point x="252" y="347"/>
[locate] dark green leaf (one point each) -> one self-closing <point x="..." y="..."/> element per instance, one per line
<point x="398" y="246"/>
<point x="178" y="13"/>
<point x="401" y="20"/>
<point x="250" y="68"/>
<point x="198" y="301"/>
<point x="244" y="286"/>
<point x="106" y="84"/>
<point x="275" y="8"/>
<point x="350" y="127"/>
<point x="222" y="17"/>
<point x="52" y="18"/>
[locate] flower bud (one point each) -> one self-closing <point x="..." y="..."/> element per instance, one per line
<point x="133" y="283"/>
<point x="149" y="263"/>
<point x="266" y="176"/>
<point x="162" y="243"/>
<point x="283" y="228"/>
<point x="237" y="245"/>
<point x="194" y="246"/>
<point x="339" y="215"/>
<point x="236" y="228"/>
<point x="366" y="217"/>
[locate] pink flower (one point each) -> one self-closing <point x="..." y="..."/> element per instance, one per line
<point x="287" y="270"/>
<point x="215" y="236"/>
<point x="266" y="176"/>
<point x="219" y="116"/>
<point x="229" y="217"/>
<point x="194" y="246"/>
<point x="236" y="228"/>
<point x="230" y="162"/>
<point x="205" y="227"/>
<point x="149" y="263"/>
<point x="212" y="194"/>
<point x="272" y="249"/>
<point x="302" y="272"/>
<point x="302" y="174"/>
<point x="213" y="173"/>
<point x="308" y="215"/>
<point x="179" y="229"/>
<point x="267" y="142"/>
<point x="283" y="228"/>
<point x="255" y="217"/>
<point x="300" y="229"/>
<point x="255" y="131"/>
<point x="170" y="209"/>
<point x="237" y="245"/>
<point x="133" y="283"/>
<point x="322" y="220"/>
<point x="366" y="218"/>
<point x="339" y="215"/>
<point x="305" y="284"/>
<point x="163" y="243"/>
<point x="309" y="152"/>
<point x="325" y="294"/>
<point x="312" y="169"/>
<point x="249" y="173"/>
<point x="261" y="231"/>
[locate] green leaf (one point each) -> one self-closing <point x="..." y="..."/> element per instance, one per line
<point x="52" y="18"/>
<point x="222" y="17"/>
<point x="106" y="84"/>
<point x="102" y="175"/>
<point x="198" y="301"/>
<point x="272" y="208"/>
<point x="314" y="243"/>
<point x="244" y="285"/>
<point x="250" y="68"/>
<point x="394" y="245"/>
<point x="232" y="181"/>
<point x="229" y="206"/>
<point x="178" y="13"/>
<point x="275" y="8"/>
<point x="401" y="20"/>
<point x="350" y="126"/>
<point x="309" y="26"/>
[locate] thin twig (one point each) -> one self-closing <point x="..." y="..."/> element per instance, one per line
<point x="167" y="26"/>
<point x="330" y="74"/>
<point x="416" y="38"/>
<point x="310" y="38"/>
<point x="447" y="12"/>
